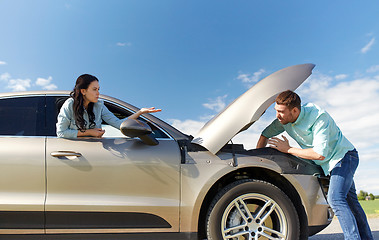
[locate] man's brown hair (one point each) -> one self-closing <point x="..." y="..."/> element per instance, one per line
<point x="289" y="98"/>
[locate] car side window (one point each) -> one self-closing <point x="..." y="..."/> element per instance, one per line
<point x="54" y="104"/>
<point x="122" y="113"/>
<point x="22" y="116"/>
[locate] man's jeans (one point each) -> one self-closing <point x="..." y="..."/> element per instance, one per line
<point x="343" y="199"/>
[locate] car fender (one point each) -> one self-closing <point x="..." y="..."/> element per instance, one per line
<point x="200" y="173"/>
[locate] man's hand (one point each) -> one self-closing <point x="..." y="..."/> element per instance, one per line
<point x="284" y="146"/>
<point x="279" y="144"/>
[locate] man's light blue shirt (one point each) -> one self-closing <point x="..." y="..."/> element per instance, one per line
<point x="66" y="125"/>
<point x="315" y="128"/>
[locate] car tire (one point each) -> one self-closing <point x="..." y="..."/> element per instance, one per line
<point x="270" y="215"/>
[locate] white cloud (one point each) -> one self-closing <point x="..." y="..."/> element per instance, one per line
<point x="370" y="34"/>
<point x="373" y="69"/>
<point x="341" y="76"/>
<point x="216" y="104"/>
<point x="2" y="63"/>
<point x="5" y="77"/>
<point x="46" y="83"/>
<point x="368" y="46"/>
<point x="51" y="87"/>
<point x="249" y="79"/>
<point x="351" y="103"/>
<point x="313" y="85"/>
<point x="188" y="126"/>
<point x="19" y="84"/>
<point x="124" y="44"/>
<point x="43" y="81"/>
<point x="25" y="84"/>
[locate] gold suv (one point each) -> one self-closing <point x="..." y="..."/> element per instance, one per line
<point x="156" y="182"/>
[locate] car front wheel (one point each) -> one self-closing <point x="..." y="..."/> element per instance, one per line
<point x="251" y="209"/>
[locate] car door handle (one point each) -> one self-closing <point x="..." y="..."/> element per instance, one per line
<point x="65" y="154"/>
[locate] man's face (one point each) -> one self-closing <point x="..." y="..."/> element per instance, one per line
<point x="284" y="114"/>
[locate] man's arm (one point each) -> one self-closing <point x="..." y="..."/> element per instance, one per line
<point x="273" y="129"/>
<point x="283" y="146"/>
<point x="308" y="153"/>
<point x="262" y="142"/>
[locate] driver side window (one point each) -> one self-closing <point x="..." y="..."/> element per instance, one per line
<point x="54" y="104"/>
<point x="122" y="113"/>
<point x="110" y="131"/>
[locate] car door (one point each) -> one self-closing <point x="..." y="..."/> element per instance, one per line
<point x="111" y="185"/>
<point x="22" y="164"/>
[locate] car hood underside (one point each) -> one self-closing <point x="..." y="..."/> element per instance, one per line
<point x="248" y="108"/>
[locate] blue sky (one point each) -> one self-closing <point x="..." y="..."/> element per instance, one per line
<point x="192" y="58"/>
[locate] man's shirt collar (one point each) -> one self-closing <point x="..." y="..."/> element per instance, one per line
<point x="300" y="117"/>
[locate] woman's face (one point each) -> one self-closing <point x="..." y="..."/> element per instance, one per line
<point x="91" y="94"/>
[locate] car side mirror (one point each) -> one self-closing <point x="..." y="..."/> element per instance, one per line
<point x="136" y="128"/>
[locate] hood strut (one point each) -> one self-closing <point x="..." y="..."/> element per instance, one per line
<point x="235" y="163"/>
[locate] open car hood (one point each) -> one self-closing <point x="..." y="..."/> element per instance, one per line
<point x="248" y="108"/>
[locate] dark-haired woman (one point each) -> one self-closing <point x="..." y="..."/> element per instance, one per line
<point x="82" y="114"/>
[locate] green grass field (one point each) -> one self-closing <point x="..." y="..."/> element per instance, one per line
<point x="371" y="207"/>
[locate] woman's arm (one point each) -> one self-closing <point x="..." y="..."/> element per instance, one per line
<point x="64" y="121"/>
<point x="63" y="130"/>
<point x="112" y="120"/>
<point x="143" y="111"/>
<point x="94" y="132"/>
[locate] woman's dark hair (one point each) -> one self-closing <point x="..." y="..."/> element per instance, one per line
<point x="82" y="82"/>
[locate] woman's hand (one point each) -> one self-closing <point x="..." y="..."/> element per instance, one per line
<point x="97" y="132"/>
<point x="94" y="132"/>
<point x="143" y="111"/>
<point x="149" y="110"/>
